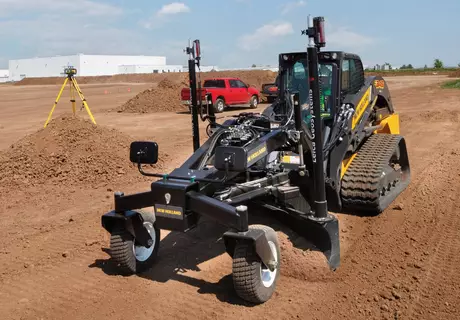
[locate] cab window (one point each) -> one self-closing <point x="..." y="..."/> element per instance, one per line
<point x="325" y="77"/>
<point x="214" y="84"/>
<point x="241" y="84"/>
<point x="352" y="76"/>
<point x="233" y="84"/>
<point x="297" y="80"/>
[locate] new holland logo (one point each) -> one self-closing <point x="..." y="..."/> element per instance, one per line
<point x="168" y="198"/>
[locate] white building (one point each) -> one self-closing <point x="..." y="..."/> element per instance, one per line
<point x="133" y="69"/>
<point x="273" y="69"/>
<point x="202" y="68"/>
<point x="4" y="75"/>
<point x="87" y="65"/>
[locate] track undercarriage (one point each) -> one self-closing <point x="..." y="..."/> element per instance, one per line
<point x="377" y="175"/>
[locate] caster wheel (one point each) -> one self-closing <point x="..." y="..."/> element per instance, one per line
<point x="131" y="257"/>
<point x="252" y="279"/>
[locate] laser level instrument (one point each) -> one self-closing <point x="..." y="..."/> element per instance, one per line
<point x="74" y="87"/>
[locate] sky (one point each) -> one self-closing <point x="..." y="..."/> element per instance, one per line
<point x="233" y="33"/>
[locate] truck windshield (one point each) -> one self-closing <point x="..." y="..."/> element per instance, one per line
<point x="297" y="80"/>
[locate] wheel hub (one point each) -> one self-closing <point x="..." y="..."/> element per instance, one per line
<point x="267" y="276"/>
<point x="220" y="106"/>
<point x="143" y="253"/>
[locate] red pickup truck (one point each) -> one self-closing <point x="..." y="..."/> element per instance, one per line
<point x="225" y="92"/>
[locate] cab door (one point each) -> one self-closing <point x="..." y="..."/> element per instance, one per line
<point x="329" y="87"/>
<point x="236" y="92"/>
<point x="244" y="90"/>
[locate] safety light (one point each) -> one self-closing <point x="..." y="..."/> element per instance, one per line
<point x="320" y="36"/>
<point x="197" y="49"/>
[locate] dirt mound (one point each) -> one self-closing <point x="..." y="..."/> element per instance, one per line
<point x="299" y="261"/>
<point x="169" y="84"/>
<point x="70" y="151"/>
<point x="254" y="77"/>
<point x="455" y="74"/>
<point x="165" y="97"/>
<point x="119" y="78"/>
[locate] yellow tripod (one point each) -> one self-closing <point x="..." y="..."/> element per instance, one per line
<point x="73" y="87"/>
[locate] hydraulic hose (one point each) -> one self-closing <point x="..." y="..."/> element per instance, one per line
<point x="211" y="149"/>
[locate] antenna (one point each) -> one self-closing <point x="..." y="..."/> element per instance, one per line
<point x="194" y="52"/>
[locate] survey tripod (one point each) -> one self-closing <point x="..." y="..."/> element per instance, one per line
<point x="74" y="87"/>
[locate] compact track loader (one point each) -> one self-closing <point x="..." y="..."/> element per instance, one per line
<point x="330" y="141"/>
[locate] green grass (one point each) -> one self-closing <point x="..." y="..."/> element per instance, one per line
<point x="421" y="70"/>
<point x="453" y="84"/>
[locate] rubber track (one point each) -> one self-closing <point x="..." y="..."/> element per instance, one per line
<point x="360" y="188"/>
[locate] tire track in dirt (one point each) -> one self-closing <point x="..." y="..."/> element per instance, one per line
<point x="354" y="228"/>
<point x="49" y="272"/>
<point x="43" y="249"/>
<point x="44" y="291"/>
<point x="64" y="283"/>
<point x="382" y="252"/>
<point x="429" y="204"/>
<point x="64" y="230"/>
<point x="441" y="278"/>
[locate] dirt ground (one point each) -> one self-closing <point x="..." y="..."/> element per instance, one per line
<point x="57" y="182"/>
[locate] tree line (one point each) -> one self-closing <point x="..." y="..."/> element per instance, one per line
<point x="437" y="64"/>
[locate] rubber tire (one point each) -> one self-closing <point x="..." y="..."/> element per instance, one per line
<point x="254" y="102"/>
<point x="121" y="248"/>
<point x="247" y="269"/>
<point x="216" y="103"/>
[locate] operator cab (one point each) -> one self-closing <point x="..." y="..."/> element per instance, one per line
<point x="340" y="74"/>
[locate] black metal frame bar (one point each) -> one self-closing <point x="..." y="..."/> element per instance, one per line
<point x="317" y="130"/>
<point x="198" y="203"/>
<point x="192" y="62"/>
<point x="223" y="213"/>
<point x="133" y="201"/>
